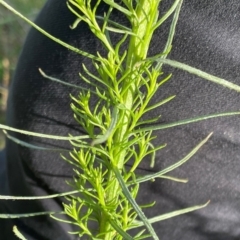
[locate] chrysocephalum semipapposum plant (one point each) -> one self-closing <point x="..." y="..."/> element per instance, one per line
<point x="125" y="79"/>
<point x="118" y="136"/>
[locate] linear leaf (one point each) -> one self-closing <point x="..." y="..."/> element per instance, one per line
<point x="171" y="34"/>
<point x="118" y="7"/>
<point x="18" y="234"/>
<point x="174" y="179"/>
<point x="172" y="167"/>
<point x="173" y="8"/>
<point x="134" y="204"/>
<point x="159" y="103"/>
<point x="200" y="73"/>
<point x="64" y="83"/>
<point x="184" y="122"/>
<point x="28" y="145"/>
<point x="42" y="135"/>
<point x="24" y="215"/>
<point x="3" y="197"/>
<point x="170" y="215"/>
<point x="47" y="34"/>
<point x="120" y="230"/>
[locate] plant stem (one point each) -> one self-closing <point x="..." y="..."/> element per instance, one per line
<point x="146" y="15"/>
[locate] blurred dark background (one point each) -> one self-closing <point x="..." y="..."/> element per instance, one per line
<point x="13" y="31"/>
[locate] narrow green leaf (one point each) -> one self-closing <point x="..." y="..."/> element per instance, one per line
<point x="170" y="215"/>
<point x="172" y="167"/>
<point x="159" y="103"/>
<point x="103" y="138"/>
<point x="200" y="73"/>
<point x="6" y="215"/>
<point x="28" y="145"/>
<point x="152" y="162"/>
<point x="75" y="24"/>
<point x="134" y="204"/>
<point x="3" y="197"/>
<point x="173" y="8"/>
<point x="118" y="7"/>
<point x="140" y="234"/>
<point x="65" y="138"/>
<point x="49" y="35"/>
<point x="184" y="122"/>
<point x="171" y="34"/>
<point x="174" y="179"/>
<point x="116" y="30"/>
<point x="149" y="121"/>
<point x="64" y="83"/>
<point x="120" y="230"/>
<point x="106" y="22"/>
<point x="118" y="25"/>
<point x="63" y="220"/>
<point x="18" y="234"/>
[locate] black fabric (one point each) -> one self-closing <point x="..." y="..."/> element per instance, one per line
<point x="207" y="38"/>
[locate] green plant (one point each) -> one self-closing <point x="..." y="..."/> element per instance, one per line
<point x="125" y="82"/>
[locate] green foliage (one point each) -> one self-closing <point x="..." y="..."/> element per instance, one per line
<point x="127" y="82"/>
<point x="18" y="234"/>
<point x="124" y="80"/>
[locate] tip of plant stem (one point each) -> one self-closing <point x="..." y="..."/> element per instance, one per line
<point x="209" y="135"/>
<point x="41" y="71"/>
<point x="207" y="203"/>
